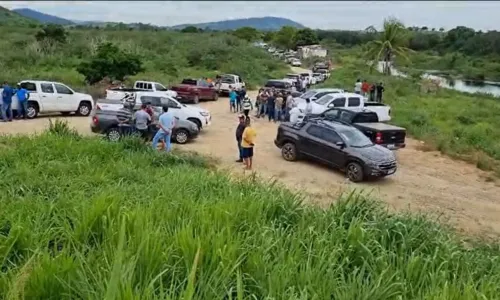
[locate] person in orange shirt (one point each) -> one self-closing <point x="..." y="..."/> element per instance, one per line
<point x="365" y="88"/>
<point x="247" y="144"/>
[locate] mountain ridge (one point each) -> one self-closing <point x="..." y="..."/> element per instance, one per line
<point x="42" y="17"/>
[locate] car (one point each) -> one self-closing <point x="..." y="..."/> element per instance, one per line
<point x="319" y="77"/>
<point x="118" y="93"/>
<point x="232" y="80"/>
<point x="193" y="90"/>
<point x="110" y="123"/>
<point x="201" y="117"/>
<point x="366" y="121"/>
<point x="50" y="97"/>
<point x="315" y="94"/>
<point x="296" y="63"/>
<point x="325" y="72"/>
<point x="336" y="145"/>
<point x="279" y="84"/>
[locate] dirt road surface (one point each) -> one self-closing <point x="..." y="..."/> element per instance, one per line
<point x="425" y="181"/>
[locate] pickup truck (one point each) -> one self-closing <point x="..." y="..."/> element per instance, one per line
<point x="110" y="123"/>
<point x="139" y="86"/>
<point x="325" y="72"/>
<point x="349" y="100"/>
<point x="389" y="136"/>
<point x="50" y="97"/>
<point x="280" y="85"/>
<point x="193" y="90"/>
<point x="197" y="115"/>
<point x="227" y="80"/>
<point x="337" y="145"/>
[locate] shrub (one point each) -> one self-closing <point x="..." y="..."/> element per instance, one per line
<point x="52" y="32"/>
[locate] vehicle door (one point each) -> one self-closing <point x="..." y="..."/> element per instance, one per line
<point x="335" y="155"/>
<point x="354" y="102"/>
<point x="337" y="102"/>
<point x="177" y="109"/>
<point x="314" y="144"/>
<point x="33" y="93"/>
<point x="67" y="101"/>
<point x="206" y="92"/>
<point x="48" y="97"/>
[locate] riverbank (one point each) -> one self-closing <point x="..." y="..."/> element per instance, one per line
<point x="461" y="125"/>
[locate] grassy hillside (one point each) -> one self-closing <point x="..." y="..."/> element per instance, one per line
<point x="264" y="23"/>
<point x="41" y="17"/>
<point x="167" y="55"/>
<point x="77" y="225"/>
<point x="10" y="18"/>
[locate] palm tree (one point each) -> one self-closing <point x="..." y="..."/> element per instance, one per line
<point x="392" y="41"/>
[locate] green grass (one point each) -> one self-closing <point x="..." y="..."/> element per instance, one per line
<point x="76" y="224"/>
<point x="168" y="56"/>
<point x="458" y="124"/>
<point x="13" y="19"/>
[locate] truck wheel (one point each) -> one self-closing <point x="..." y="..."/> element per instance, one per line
<point x="181" y="136"/>
<point x="196" y="121"/>
<point x="84" y="109"/>
<point x="289" y="151"/>
<point x="354" y="172"/>
<point x="113" y="134"/>
<point x="32" y="111"/>
<point x="196" y="99"/>
<point x="216" y="96"/>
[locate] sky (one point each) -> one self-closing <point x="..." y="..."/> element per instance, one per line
<point x="354" y="15"/>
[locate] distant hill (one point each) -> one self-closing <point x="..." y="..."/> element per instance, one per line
<point x="13" y="18"/>
<point x="264" y="23"/>
<point x="41" y="17"/>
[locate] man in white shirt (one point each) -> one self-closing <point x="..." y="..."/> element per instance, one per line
<point x="304" y="84"/>
<point x="309" y="107"/>
<point x="290" y="103"/>
<point x="357" y="87"/>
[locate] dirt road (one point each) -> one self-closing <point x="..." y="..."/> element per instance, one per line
<point x="425" y="181"/>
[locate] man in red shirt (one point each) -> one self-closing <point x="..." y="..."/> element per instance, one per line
<point x="365" y="88"/>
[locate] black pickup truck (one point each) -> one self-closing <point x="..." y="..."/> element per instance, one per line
<point x="389" y="136"/>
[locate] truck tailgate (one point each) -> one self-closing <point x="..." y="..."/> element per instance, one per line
<point x="390" y="134"/>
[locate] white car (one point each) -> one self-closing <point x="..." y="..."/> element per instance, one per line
<point x="319" y="77"/>
<point x="50" y="97"/>
<point x="296" y="63"/>
<point x="201" y="117"/>
<point x="315" y="94"/>
<point x="350" y="101"/>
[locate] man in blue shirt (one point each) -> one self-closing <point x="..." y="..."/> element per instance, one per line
<point x="23" y="96"/>
<point x="7" y="94"/>
<point x="166" y="124"/>
<point x="232" y="99"/>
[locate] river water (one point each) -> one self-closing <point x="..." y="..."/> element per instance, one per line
<point x="487" y="87"/>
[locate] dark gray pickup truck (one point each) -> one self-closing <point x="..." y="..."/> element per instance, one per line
<point x="389" y="136"/>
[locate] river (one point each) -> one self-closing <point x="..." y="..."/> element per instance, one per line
<point x="492" y="88"/>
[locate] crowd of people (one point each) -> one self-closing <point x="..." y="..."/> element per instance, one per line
<point x="6" y="103"/>
<point x="373" y="91"/>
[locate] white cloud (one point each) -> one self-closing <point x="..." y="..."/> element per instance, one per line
<point x="316" y="14"/>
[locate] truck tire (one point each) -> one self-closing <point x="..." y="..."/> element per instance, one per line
<point x="32" y="110"/>
<point x="354" y="172"/>
<point x="113" y="134"/>
<point x="181" y="136"/>
<point x="84" y="109"/>
<point x="196" y="99"/>
<point x="289" y="151"/>
<point x="216" y="96"/>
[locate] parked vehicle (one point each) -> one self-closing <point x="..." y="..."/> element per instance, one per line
<point x="337" y="145"/>
<point x="201" y="117"/>
<point x="315" y="94"/>
<point x="140" y="86"/>
<point x="50" y="97"/>
<point x="349" y="100"/>
<point x="366" y="121"/>
<point x="325" y="72"/>
<point x="319" y="77"/>
<point x="232" y="80"/>
<point x="110" y="123"/>
<point x="296" y="63"/>
<point x="280" y="85"/>
<point x="293" y="77"/>
<point x="193" y="90"/>
<point x="308" y="77"/>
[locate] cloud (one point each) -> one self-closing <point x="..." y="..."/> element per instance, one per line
<point x="315" y="14"/>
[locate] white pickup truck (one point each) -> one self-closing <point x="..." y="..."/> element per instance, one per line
<point x="139" y="86"/>
<point x="348" y="100"/>
<point x="50" y="97"/>
<point x="201" y="117"/>
<point x="227" y="80"/>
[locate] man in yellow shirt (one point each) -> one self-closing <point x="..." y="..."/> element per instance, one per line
<point x="247" y="144"/>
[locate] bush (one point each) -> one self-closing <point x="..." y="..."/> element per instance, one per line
<point x="52" y="32"/>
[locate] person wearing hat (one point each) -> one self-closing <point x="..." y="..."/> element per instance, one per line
<point x="239" y="136"/>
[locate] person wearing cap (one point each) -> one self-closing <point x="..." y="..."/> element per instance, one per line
<point x="239" y="136"/>
<point x="247" y="144"/>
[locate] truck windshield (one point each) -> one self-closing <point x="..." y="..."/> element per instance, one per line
<point x="189" y="81"/>
<point x="308" y="94"/>
<point x="355" y="138"/>
<point x="227" y="79"/>
<point x="365" y="118"/>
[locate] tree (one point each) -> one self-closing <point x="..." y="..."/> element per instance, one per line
<point x="190" y="29"/>
<point x="392" y="41"/>
<point x="284" y="38"/>
<point x="52" y="32"/>
<point x="305" y="37"/>
<point x="247" y="33"/>
<point x="112" y="62"/>
<point x="268" y="36"/>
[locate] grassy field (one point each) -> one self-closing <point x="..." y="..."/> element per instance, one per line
<point x="76" y="224"/>
<point x="458" y="124"/>
<point x="167" y="56"/>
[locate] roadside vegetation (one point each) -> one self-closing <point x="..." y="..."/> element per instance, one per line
<point x="76" y="224"/>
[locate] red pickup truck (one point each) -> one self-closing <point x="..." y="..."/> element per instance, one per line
<point x="194" y="90"/>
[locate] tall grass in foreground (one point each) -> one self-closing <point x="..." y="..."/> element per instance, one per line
<point x="85" y="219"/>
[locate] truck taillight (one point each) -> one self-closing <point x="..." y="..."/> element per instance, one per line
<point x="95" y="120"/>
<point x="98" y="107"/>
<point x="378" y="138"/>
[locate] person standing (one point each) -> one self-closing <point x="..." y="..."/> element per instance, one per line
<point x="7" y="94"/>
<point x="294" y="114"/>
<point x="239" y="135"/>
<point x="166" y="124"/>
<point x="380" y="90"/>
<point x="270" y="106"/>
<point x="278" y="106"/>
<point x="290" y="103"/>
<point x="357" y="87"/>
<point x="263" y="103"/>
<point x="365" y="88"/>
<point x="232" y="99"/>
<point x="141" y="121"/>
<point x="372" y="92"/>
<point x="247" y="106"/>
<point x="22" y="96"/>
<point x="247" y="144"/>
<point x="304" y="85"/>
<point x="308" y="110"/>
<point x="242" y="93"/>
